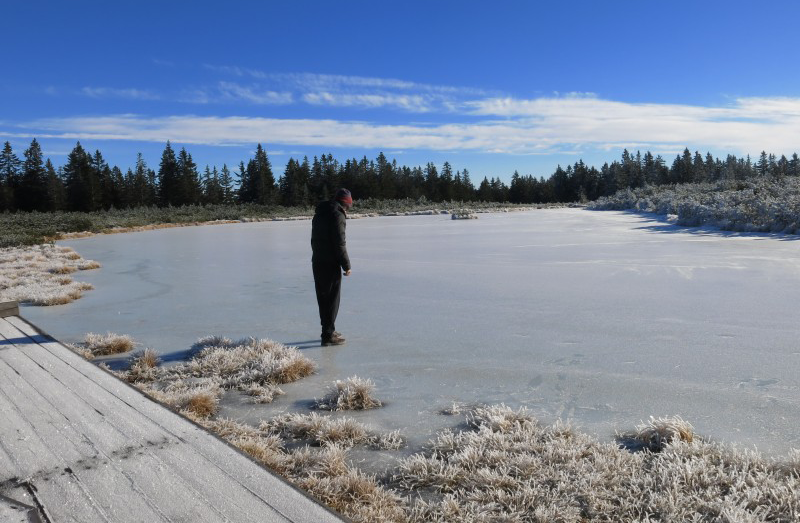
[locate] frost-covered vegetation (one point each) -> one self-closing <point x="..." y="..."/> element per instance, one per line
<point x="40" y="274"/>
<point x="509" y="467"/>
<point x="94" y="345"/>
<point x="501" y="465"/>
<point x="253" y="366"/>
<point x="353" y="393"/>
<point x="763" y="205"/>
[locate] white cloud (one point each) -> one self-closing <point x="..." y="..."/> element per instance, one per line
<point x="500" y="125"/>
<point x="109" y="92"/>
<point x="414" y="103"/>
<point x="236" y="92"/>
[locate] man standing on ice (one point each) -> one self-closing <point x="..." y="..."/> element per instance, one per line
<point x="329" y="259"/>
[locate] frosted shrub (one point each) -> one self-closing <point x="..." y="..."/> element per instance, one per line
<point x="765" y="205"/>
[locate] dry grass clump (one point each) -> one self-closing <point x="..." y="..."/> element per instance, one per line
<point x="103" y="345"/>
<point x="351" y="394"/>
<point x="199" y="399"/>
<point x="511" y="468"/>
<point x="323" y="472"/>
<point x="658" y="433"/>
<point x="239" y="364"/>
<point x="144" y="367"/>
<point x="37" y="274"/>
<point x="263" y="393"/>
<point x="326" y="430"/>
<point x="195" y="387"/>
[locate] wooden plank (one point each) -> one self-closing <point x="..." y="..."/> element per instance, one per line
<point x="59" y="452"/>
<point x="125" y="470"/>
<point x="35" y="458"/>
<point x="14" y="511"/>
<point x="9" y="308"/>
<point x="170" y="462"/>
<point x="213" y="456"/>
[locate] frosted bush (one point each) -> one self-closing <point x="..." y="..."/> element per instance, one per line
<point x="765" y="205"/>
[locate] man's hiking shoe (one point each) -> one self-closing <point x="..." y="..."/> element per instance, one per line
<point x="333" y="340"/>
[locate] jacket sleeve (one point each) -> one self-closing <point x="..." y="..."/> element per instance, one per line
<point x="339" y="242"/>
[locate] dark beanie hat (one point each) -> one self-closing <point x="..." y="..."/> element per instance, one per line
<point x="344" y="196"/>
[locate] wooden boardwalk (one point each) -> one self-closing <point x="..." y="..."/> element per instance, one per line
<point x="79" y="445"/>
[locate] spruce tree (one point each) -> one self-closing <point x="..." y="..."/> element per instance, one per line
<point x="80" y="182"/>
<point x="226" y="184"/>
<point x="169" y="186"/>
<point x="10" y="167"/>
<point x="446" y="183"/>
<point x="31" y="192"/>
<point x="189" y="191"/>
<point x="56" y="199"/>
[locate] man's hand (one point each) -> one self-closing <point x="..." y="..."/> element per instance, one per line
<point x="347" y="272"/>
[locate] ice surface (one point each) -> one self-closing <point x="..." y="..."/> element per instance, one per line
<point x="603" y="318"/>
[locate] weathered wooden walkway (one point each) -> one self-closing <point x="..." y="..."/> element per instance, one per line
<point x="79" y="445"/>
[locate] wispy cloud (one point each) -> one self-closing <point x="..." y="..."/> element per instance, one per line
<point x="413" y="103"/>
<point x="130" y="93"/>
<point x="353" y="91"/>
<point x="500" y="125"/>
<point x="230" y="92"/>
<point x="235" y="92"/>
<point x="163" y="63"/>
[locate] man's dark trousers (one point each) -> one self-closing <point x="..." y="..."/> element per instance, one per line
<point x="328" y="283"/>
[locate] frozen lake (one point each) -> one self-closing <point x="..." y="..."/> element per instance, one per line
<point x="603" y="318"/>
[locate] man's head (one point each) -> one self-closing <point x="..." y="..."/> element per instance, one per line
<point x="344" y="197"/>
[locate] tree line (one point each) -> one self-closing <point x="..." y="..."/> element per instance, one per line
<point x="87" y="183"/>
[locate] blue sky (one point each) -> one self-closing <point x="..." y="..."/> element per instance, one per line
<point x="489" y="86"/>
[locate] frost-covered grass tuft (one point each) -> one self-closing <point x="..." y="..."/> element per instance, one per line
<point x="512" y="468"/>
<point x="37" y="275"/>
<point x="351" y="394"/>
<point x="239" y="364"/>
<point x="660" y="432"/>
<point x="200" y="398"/>
<point x="323" y="472"/>
<point x="326" y="430"/>
<point x="104" y="345"/>
<point x="253" y="366"/>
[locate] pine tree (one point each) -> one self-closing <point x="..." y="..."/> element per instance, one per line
<point x="80" y="181"/>
<point x="169" y="183"/>
<point x="762" y="167"/>
<point x="446" y="182"/>
<point x="141" y="190"/>
<point x="106" y="181"/>
<point x="226" y="184"/>
<point x="31" y="191"/>
<point x="257" y="181"/>
<point x="189" y="191"/>
<point x="794" y="165"/>
<point x="56" y="197"/>
<point x="432" y="183"/>
<point x="10" y="167"/>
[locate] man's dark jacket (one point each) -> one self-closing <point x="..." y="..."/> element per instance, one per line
<point x="327" y="235"/>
